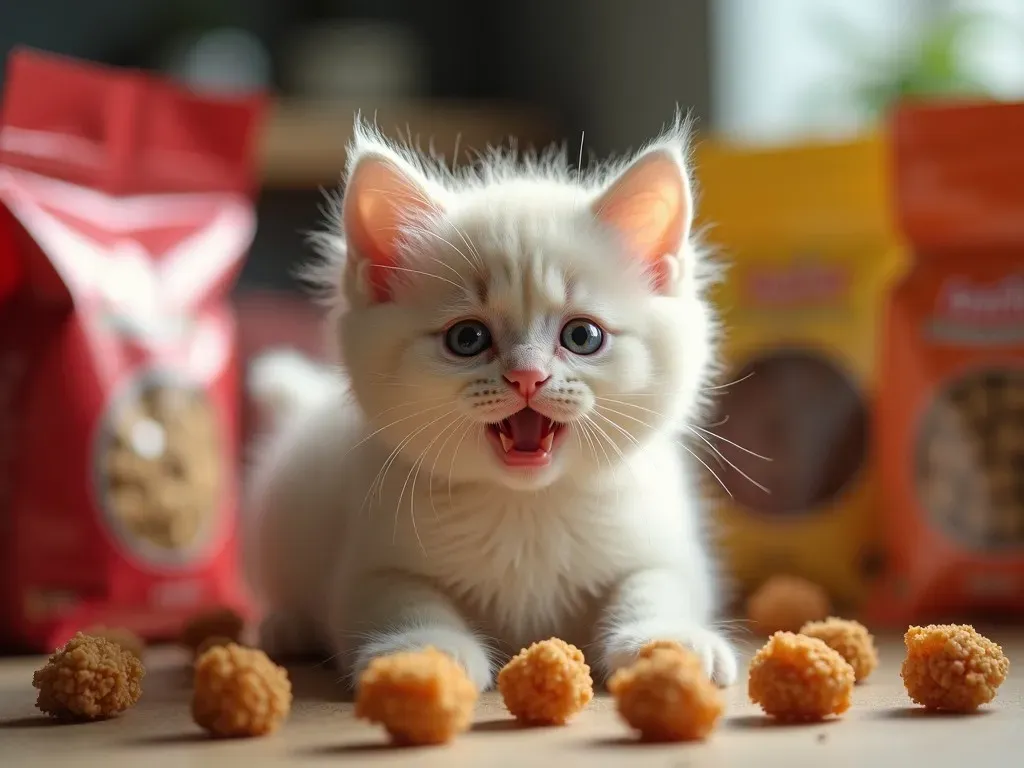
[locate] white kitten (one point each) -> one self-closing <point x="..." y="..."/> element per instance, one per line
<point x="522" y="348"/>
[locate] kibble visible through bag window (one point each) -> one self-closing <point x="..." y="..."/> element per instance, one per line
<point x="809" y="254"/>
<point x="161" y="469"/>
<point x="951" y="416"/>
<point x="125" y="213"/>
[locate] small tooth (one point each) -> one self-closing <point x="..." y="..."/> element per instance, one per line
<point x="506" y="442"/>
<point x="546" y="441"/>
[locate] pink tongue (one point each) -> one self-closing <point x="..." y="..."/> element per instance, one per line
<point x="526" y="427"/>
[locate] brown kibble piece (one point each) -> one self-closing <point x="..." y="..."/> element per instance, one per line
<point x="217" y="623"/>
<point x="420" y="697"/>
<point x="786" y="603"/>
<point x="851" y="639"/>
<point x="666" y="696"/>
<point x="125" y="638"/>
<point x="90" y="678"/>
<point x="547" y="683"/>
<point x="952" y="667"/>
<point x="239" y="692"/>
<point x="799" y="678"/>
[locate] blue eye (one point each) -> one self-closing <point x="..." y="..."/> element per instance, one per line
<point x="468" y="338"/>
<point x="582" y="337"/>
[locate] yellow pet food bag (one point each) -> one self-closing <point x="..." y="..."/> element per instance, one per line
<point x="810" y="252"/>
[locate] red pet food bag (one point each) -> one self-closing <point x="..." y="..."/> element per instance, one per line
<point x="125" y="215"/>
<point x="950" y="423"/>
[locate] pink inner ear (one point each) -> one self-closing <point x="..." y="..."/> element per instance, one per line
<point x="380" y="198"/>
<point x="649" y="206"/>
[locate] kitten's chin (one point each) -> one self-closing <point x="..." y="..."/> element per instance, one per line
<point x="527" y="479"/>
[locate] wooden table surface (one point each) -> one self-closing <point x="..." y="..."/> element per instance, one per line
<point x="882" y="729"/>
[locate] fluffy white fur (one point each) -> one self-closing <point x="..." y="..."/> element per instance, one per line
<point x="384" y="519"/>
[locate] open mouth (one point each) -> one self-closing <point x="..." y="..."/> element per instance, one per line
<point x="525" y="439"/>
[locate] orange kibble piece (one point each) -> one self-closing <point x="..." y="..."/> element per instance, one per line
<point x="786" y="603"/>
<point x="420" y="697"/>
<point x="239" y="692"/>
<point x="952" y="667"/>
<point x="666" y="696"/>
<point x="547" y="683"/>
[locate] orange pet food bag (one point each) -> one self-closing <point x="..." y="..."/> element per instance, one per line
<point x="810" y="251"/>
<point x="951" y="418"/>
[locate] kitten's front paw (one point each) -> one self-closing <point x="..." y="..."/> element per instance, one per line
<point x="462" y="646"/>
<point x="623" y="643"/>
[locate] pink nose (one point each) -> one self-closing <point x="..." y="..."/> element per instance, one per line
<point x="527" y="381"/>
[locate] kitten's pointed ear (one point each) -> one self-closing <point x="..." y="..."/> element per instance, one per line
<point x="650" y="206"/>
<point x="382" y="196"/>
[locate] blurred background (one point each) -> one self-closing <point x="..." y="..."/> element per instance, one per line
<point x="763" y="77"/>
<point x="757" y="71"/>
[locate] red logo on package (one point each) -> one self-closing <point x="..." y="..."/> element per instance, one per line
<point x="801" y="283"/>
<point x="118" y="359"/>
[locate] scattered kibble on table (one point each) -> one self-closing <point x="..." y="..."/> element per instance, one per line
<point x="425" y="697"/>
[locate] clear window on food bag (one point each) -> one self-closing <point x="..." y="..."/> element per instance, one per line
<point x="950" y="421"/>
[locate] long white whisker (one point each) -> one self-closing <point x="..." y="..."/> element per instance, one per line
<point x="591" y="425"/>
<point x="455" y="453"/>
<point x="601" y="433"/>
<point x="393" y="423"/>
<point x="378" y="481"/>
<point x="586" y="434"/>
<point x="708" y="468"/>
<point x="631" y="405"/>
<point x="729" y="384"/>
<point x="686" y="447"/>
<point x="407" y="403"/>
<point x="626" y="433"/>
<point x="726" y="460"/>
<point x="394" y="457"/>
<point x="453" y="426"/>
<point x="417" y="465"/>
<point x="730" y="442"/>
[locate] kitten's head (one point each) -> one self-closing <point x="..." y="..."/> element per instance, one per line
<point x="516" y="322"/>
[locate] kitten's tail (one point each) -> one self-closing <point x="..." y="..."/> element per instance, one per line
<point x="284" y="383"/>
